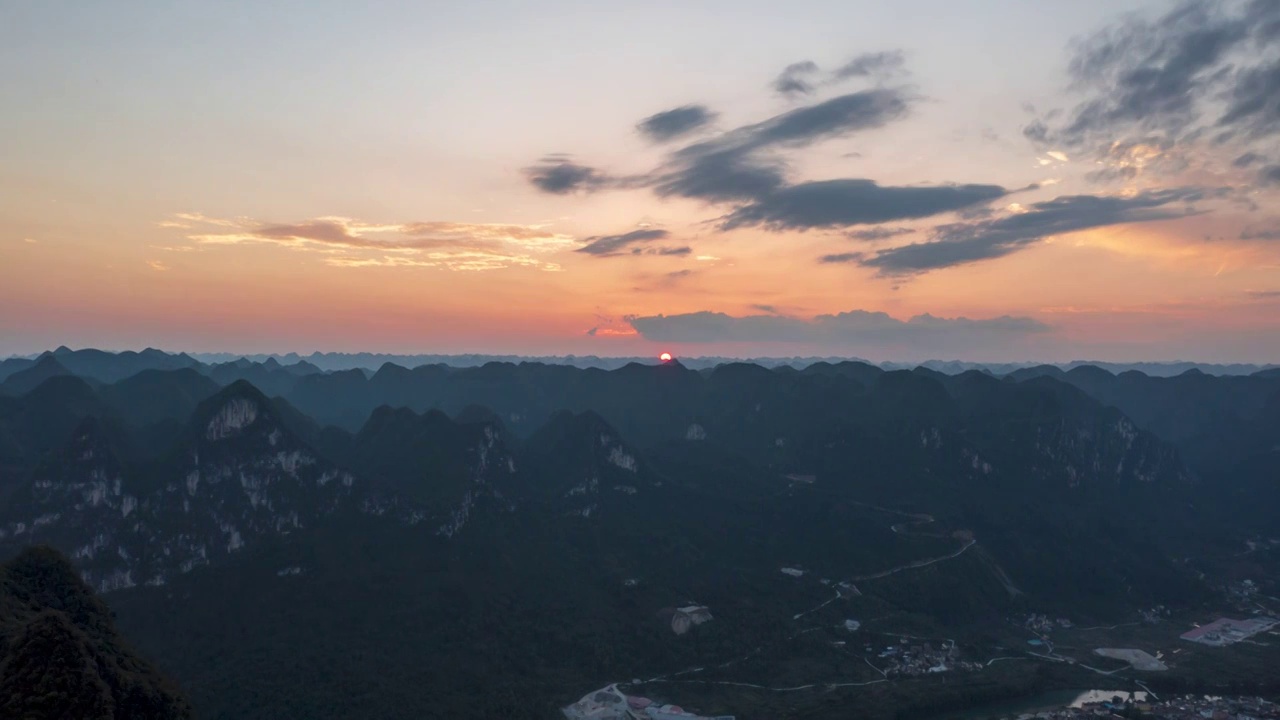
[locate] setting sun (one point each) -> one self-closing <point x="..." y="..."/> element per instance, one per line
<point x="665" y="357"/>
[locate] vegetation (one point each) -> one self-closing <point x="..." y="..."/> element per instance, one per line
<point x="584" y="505"/>
<point x="60" y="656"/>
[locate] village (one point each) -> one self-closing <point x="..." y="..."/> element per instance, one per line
<point x="1187" y="707"/>
<point x="1226" y="631"/>
<point x="896" y="656"/>
<point x="913" y="659"/>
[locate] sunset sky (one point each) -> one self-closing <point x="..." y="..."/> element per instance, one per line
<point x="994" y="180"/>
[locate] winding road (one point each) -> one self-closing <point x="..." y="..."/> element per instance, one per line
<point x="901" y="528"/>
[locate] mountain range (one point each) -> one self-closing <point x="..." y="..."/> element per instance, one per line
<point x="113" y="366"/>
<point x="495" y="540"/>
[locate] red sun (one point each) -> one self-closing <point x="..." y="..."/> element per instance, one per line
<point x="665" y="357"/>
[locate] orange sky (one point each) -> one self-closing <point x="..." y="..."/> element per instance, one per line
<point x="149" y="188"/>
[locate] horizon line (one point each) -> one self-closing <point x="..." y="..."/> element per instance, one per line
<point x="741" y="358"/>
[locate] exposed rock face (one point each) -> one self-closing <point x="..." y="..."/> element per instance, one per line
<point x="240" y="478"/>
<point x="236" y="414"/>
<point x="239" y="475"/>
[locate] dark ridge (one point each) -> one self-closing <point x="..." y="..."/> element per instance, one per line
<point x="24" y="381"/>
<point x="60" y="655"/>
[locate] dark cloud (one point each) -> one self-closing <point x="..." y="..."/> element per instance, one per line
<point x="747" y="165"/>
<point x="664" y="251"/>
<point x="1265" y="294"/>
<point x="1247" y="159"/>
<point x="789" y="85"/>
<point x="671" y="124"/>
<point x="792" y="80"/>
<point x="802" y="78"/>
<point x="557" y="174"/>
<point x="1254" y="101"/>
<point x="665" y="281"/>
<point x="721" y="176"/>
<point x="609" y="245"/>
<point x="743" y="164"/>
<point x="1151" y="73"/>
<point x="838" y="116"/>
<point x="1268" y="234"/>
<point x="849" y="257"/>
<point x="878" y="233"/>
<point x="962" y="243"/>
<point x="843" y="329"/>
<point x="1205" y="71"/>
<point x="1269" y="175"/>
<point x="975" y="212"/>
<point x="1037" y="131"/>
<point x="771" y="309"/>
<point x="841" y="203"/>
<point x="876" y="64"/>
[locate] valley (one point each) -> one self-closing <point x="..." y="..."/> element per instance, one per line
<point x="501" y="540"/>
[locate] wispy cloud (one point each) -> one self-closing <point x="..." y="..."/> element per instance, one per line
<point x="458" y="261"/>
<point x="879" y="65"/>
<point x="611" y="332"/>
<point x="962" y="243"/>
<point x="804" y="77"/>
<point x="613" y="245"/>
<point x="748" y="167"/>
<point x="671" y="124"/>
<point x="1271" y="233"/>
<point x="185" y="220"/>
<point x="841" y="203"/>
<point x="876" y="234"/>
<point x="157" y="265"/>
<point x="743" y="164"/>
<point x="353" y="243"/>
<point x="796" y="79"/>
<point x="1195" y="86"/>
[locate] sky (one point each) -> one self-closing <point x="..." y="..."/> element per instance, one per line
<point x="995" y="180"/>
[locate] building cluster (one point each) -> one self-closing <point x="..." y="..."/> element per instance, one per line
<point x="1261" y="544"/>
<point x="1244" y="593"/>
<point x="610" y="703"/>
<point x="1187" y="707"/>
<point x="906" y="660"/>
<point x="1043" y="624"/>
<point x="1190" y="707"/>
<point x="1153" y="616"/>
<point x="1226" y="631"/>
<point x="688" y="616"/>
